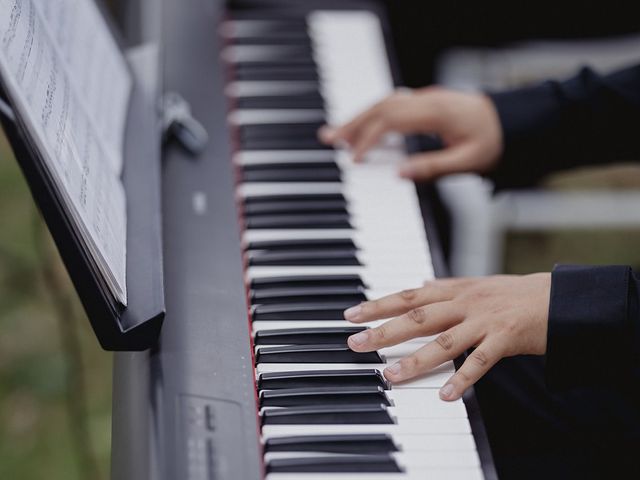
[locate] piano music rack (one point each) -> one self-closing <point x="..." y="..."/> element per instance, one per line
<point x="137" y="326"/>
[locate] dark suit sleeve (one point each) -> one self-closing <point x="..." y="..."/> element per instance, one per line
<point x="594" y="318"/>
<point x="586" y="120"/>
<point x="593" y="335"/>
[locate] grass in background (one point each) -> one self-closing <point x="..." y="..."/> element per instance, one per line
<point x="36" y="439"/>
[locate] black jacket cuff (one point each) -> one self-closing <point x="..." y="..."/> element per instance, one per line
<point x="590" y="334"/>
<point x="528" y="118"/>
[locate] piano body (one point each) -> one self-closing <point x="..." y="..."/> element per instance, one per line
<point x="268" y="236"/>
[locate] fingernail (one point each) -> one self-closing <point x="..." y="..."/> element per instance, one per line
<point x="405" y="170"/>
<point x="353" y="313"/>
<point x="326" y="133"/>
<point x="446" y="392"/>
<point x="394" y="369"/>
<point x="359" y="338"/>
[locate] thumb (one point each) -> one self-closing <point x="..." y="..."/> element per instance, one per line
<point x="432" y="165"/>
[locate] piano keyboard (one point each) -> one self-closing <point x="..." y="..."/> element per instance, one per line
<point x="321" y="234"/>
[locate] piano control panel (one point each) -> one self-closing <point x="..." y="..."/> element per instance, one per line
<point x="210" y="432"/>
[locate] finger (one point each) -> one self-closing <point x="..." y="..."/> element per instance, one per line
<point x="447" y="346"/>
<point x="368" y="137"/>
<point x="399" y="303"/>
<point x="432" y="165"/>
<point x="348" y="131"/>
<point x="419" y="322"/>
<point x="457" y="283"/>
<point x="474" y="367"/>
<point x="392" y="112"/>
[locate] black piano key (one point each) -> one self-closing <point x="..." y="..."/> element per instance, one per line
<point x="286" y="166"/>
<point x="277" y="171"/>
<point x="291" y="143"/>
<point x="279" y="55"/>
<point x="324" y="174"/>
<point x="286" y="57"/>
<point x="304" y="221"/>
<point x="328" y="353"/>
<point x="267" y="208"/>
<point x="305" y="73"/>
<point x="380" y="463"/>
<point x="269" y="24"/>
<point x="301" y="311"/>
<point x="294" y="39"/>
<point x="304" y="257"/>
<point x="328" y="415"/>
<point x="293" y="294"/>
<point x="284" y="144"/>
<point x="306" y="336"/>
<point x="270" y="130"/>
<point x="281" y="101"/>
<point x="284" y="141"/>
<point x="306" y="281"/>
<point x="321" y="378"/>
<point x="296" y="197"/>
<point x="295" y="397"/>
<point x="301" y="243"/>
<point x="358" y="443"/>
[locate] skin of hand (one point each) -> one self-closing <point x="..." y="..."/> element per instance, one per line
<point x="501" y="316"/>
<point x="467" y="124"/>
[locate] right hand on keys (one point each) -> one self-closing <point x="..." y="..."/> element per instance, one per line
<point x="500" y="315"/>
<point x="467" y="123"/>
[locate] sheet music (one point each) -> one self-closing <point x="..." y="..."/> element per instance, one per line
<point x="95" y="64"/>
<point x="58" y="100"/>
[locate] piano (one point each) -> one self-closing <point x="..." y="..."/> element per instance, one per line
<point x="268" y="236"/>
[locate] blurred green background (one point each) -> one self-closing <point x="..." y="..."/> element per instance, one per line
<point x="55" y="381"/>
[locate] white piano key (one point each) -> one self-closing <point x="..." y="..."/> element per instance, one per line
<point x="266" y="116"/>
<point x="473" y="473"/>
<point x="370" y="294"/>
<point x="419" y="403"/>
<point x="425" y="442"/>
<point x="428" y="460"/>
<point x="403" y="426"/>
<point x="259" y="157"/>
<point x="434" y="379"/>
<point x="362" y="239"/>
<point x="424" y="403"/>
<point x="356" y="76"/>
<point x="268" y="88"/>
<point x="275" y="325"/>
<point x="285" y="188"/>
<point x="389" y="280"/>
<point x="368" y="245"/>
<point x="406" y="460"/>
<point x="454" y="409"/>
<point x="257" y="53"/>
<point x="386" y="274"/>
<point x="438" y="443"/>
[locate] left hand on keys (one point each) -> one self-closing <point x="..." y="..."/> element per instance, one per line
<point x="500" y="316"/>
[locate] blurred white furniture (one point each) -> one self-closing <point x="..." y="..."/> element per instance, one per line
<point x="480" y="219"/>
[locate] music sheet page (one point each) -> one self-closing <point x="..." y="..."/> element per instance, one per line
<point x="70" y="86"/>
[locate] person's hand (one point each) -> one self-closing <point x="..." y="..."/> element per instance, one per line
<point x="500" y="315"/>
<point x="467" y="124"/>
